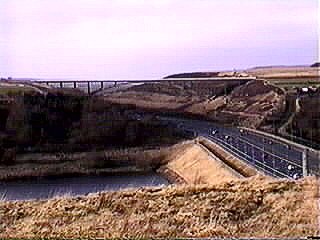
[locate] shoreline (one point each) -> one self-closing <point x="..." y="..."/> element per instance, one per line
<point x="102" y="173"/>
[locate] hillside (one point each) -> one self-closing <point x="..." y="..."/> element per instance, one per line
<point x="61" y="131"/>
<point x="317" y="64"/>
<point x="285" y="72"/>
<point x="231" y="102"/>
<point x="194" y="75"/>
<point x="193" y="164"/>
<point x="244" y="208"/>
<point x="265" y="72"/>
<point x="306" y="123"/>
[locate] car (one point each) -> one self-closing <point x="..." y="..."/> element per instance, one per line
<point x="214" y="132"/>
<point x="227" y="137"/>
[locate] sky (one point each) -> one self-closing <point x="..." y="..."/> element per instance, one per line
<point x="149" y="39"/>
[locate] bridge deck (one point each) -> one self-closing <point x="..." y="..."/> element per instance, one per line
<point x="100" y="84"/>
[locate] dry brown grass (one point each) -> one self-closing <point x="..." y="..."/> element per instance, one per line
<point x="195" y="165"/>
<point x="151" y="100"/>
<point x="230" y="160"/>
<point x="285" y="72"/>
<point x="254" y="207"/>
<point x="249" y="104"/>
<point x="84" y="163"/>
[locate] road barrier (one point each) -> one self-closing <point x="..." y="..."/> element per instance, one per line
<point x="309" y="167"/>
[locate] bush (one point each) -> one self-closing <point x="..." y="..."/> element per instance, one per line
<point x="8" y="156"/>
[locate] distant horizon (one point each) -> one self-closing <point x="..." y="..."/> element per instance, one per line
<point x="161" y="77"/>
<point x="136" y="39"/>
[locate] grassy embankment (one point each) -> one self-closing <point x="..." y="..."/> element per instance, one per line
<point x="243" y="208"/>
<point x="192" y="163"/>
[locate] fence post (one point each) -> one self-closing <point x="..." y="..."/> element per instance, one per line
<point x="304" y="163"/>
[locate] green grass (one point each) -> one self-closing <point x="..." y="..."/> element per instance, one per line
<point x="14" y="90"/>
<point x="291" y="83"/>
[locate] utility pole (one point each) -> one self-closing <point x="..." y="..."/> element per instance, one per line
<point x="89" y="91"/>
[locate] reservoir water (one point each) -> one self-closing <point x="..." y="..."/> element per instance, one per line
<point x="73" y="186"/>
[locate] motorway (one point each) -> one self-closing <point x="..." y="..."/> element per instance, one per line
<point x="271" y="156"/>
<point x="268" y="155"/>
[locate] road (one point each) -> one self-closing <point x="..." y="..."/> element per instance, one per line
<point x="273" y="157"/>
<point x="269" y="155"/>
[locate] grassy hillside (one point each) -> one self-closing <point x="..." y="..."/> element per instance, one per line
<point x="244" y="208"/>
<point x="229" y="102"/>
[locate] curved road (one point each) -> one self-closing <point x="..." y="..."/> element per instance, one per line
<point x="273" y="157"/>
<point x="267" y="154"/>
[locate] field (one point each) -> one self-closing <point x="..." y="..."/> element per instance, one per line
<point x="296" y="82"/>
<point x="288" y="77"/>
<point x="14" y="90"/>
<point x="284" y="72"/>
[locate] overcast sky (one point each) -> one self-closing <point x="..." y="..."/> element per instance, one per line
<point x="130" y="39"/>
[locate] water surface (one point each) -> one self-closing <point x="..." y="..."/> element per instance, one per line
<point x="73" y="186"/>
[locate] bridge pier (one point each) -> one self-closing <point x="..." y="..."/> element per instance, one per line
<point x="74" y="84"/>
<point x="61" y="84"/>
<point x="89" y="91"/>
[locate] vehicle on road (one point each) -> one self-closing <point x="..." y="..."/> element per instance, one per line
<point x="214" y="132"/>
